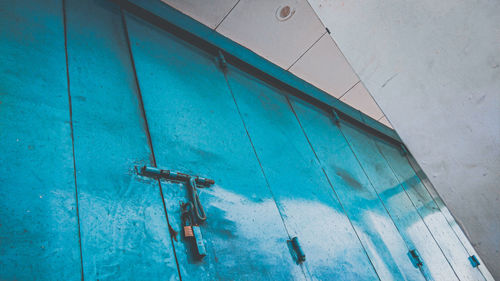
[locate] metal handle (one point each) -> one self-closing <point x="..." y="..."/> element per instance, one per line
<point x="198" y="212"/>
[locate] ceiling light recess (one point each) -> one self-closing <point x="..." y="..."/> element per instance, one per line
<point x="284" y="13"/>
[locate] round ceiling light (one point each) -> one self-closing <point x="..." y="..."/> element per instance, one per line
<point x="283" y="13"/>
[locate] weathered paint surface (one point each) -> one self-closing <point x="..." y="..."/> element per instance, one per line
<point x="377" y="232"/>
<point x="309" y="206"/>
<point x="38" y="222"/>
<point x="124" y="230"/>
<point x="448" y="216"/>
<point x="130" y="94"/>
<point x="399" y="205"/>
<point x="429" y="211"/>
<point x="195" y="128"/>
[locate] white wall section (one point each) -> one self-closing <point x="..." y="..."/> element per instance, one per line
<point x="434" y="69"/>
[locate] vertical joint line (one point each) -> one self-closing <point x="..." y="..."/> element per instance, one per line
<point x="148" y="134"/>
<point x="303" y="267"/>
<point x="403" y="237"/>
<point x="414" y="206"/>
<point x="331" y="185"/>
<point x="256" y="155"/>
<point x="72" y="135"/>
<point x="407" y="156"/>
<point x="139" y="93"/>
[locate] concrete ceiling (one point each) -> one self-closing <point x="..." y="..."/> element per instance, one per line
<point x="280" y="41"/>
<point x="324" y="66"/>
<point x="210" y="13"/>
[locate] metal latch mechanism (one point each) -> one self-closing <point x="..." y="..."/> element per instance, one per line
<point x="172" y="176"/>
<point x="191" y="231"/>
<point x="192" y="213"/>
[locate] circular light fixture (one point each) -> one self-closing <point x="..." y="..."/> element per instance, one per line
<point x="284" y="13"/>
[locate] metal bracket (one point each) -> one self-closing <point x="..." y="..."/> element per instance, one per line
<point x="415" y="258"/>
<point x="474" y="261"/>
<point x="336" y="117"/>
<point x="221" y="60"/>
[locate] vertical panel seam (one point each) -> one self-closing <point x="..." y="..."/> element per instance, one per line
<point x="371" y="183"/>
<point x="72" y="135"/>
<point x="331" y="185"/>
<point x="435" y="202"/>
<point x="260" y="164"/>
<point x="414" y="206"/>
<point x="407" y="157"/>
<point x="148" y="134"/>
<point x="403" y="237"/>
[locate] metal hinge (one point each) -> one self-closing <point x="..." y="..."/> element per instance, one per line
<point x="474" y="261"/>
<point x="221" y="61"/>
<point x="415" y="258"/>
<point x="298" y="254"/>
<point x="336" y="117"/>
